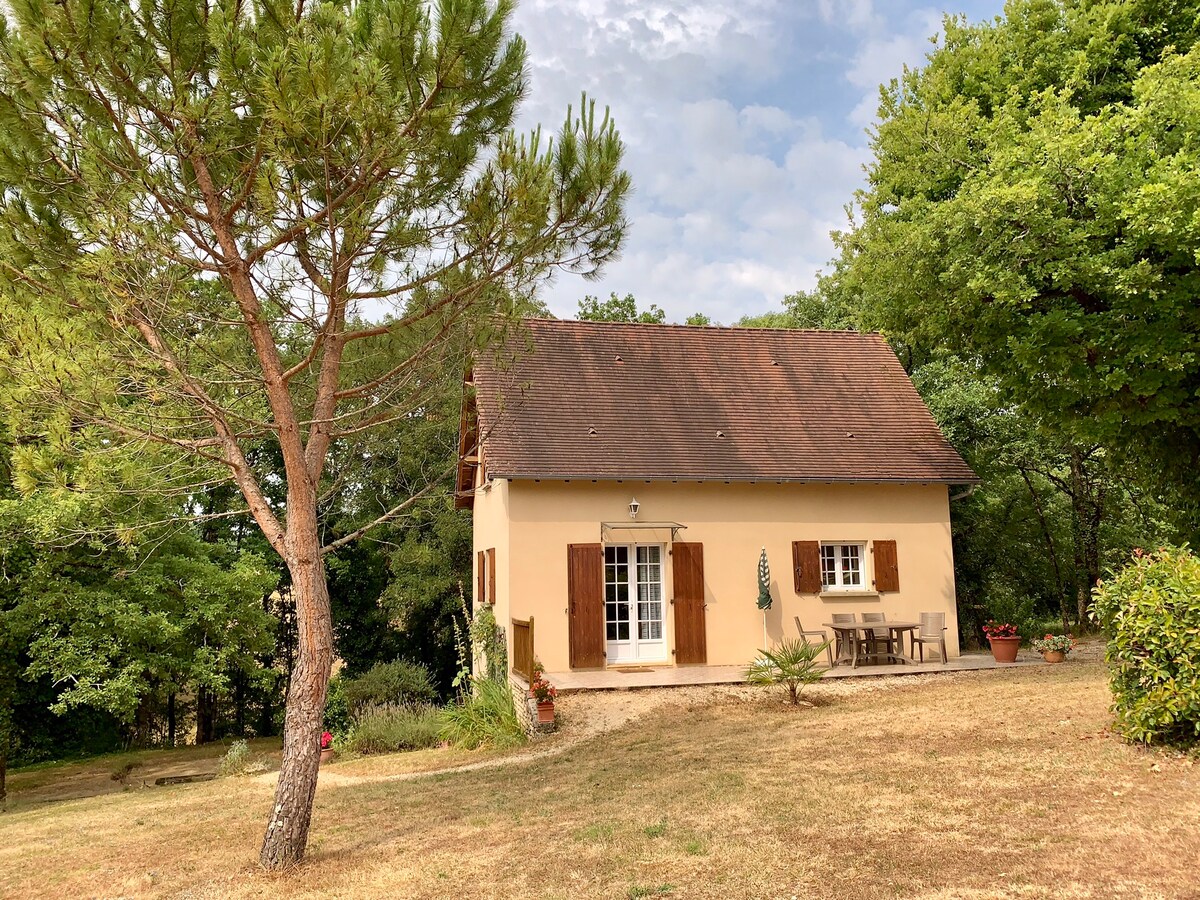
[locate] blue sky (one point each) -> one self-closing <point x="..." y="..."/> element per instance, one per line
<point x="745" y="124"/>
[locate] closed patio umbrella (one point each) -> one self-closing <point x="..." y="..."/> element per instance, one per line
<point x="764" y="582"/>
<point x="764" y="590"/>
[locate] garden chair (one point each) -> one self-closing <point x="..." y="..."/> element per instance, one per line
<point x="877" y="636"/>
<point x="845" y="618"/>
<point x="932" y="631"/>
<point x="819" y="634"/>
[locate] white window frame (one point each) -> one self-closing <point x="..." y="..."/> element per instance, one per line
<point x="840" y="554"/>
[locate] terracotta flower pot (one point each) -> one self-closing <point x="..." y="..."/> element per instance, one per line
<point x="327" y="754"/>
<point x="1054" y="656"/>
<point x="1004" y="649"/>
<point x="545" y="712"/>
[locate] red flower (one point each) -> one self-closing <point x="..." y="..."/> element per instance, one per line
<point x="326" y="740"/>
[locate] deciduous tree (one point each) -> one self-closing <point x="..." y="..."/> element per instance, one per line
<point x="1032" y="207"/>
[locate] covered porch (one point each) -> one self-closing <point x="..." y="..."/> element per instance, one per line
<point x="628" y="677"/>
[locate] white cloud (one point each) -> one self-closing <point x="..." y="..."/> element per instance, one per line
<point x="743" y="125"/>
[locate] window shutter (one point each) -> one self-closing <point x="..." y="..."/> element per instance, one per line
<point x="491" y="575"/>
<point x="806" y="566"/>
<point x="887" y="571"/>
<point x="585" y="600"/>
<point x="480" y="577"/>
<point x="687" y="577"/>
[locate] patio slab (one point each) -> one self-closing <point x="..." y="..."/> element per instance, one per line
<point x="624" y="678"/>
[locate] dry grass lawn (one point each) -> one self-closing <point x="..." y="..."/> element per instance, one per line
<point x="986" y="784"/>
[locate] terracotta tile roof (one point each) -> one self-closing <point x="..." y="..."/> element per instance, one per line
<point x="602" y="400"/>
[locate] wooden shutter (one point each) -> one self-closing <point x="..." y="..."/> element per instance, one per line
<point x="806" y="566"/>
<point x="887" y="572"/>
<point x="480" y="578"/>
<point x="585" y="605"/>
<point x="687" y="571"/>
<point x="491" y="575"/>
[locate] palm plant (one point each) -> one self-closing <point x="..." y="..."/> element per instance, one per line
<point x="793" y="664"/>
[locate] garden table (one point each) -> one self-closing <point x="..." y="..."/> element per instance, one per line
<point x="848" y="632"/>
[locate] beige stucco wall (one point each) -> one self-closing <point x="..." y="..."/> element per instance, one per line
<point x="531" y="524"/>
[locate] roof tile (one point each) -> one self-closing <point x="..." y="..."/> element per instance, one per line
<point x="605" y="400"/>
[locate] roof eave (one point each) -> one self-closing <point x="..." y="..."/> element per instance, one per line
<point x="741" y="479"/>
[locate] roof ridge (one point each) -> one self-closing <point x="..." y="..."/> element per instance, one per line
<point x="747" y="329"/>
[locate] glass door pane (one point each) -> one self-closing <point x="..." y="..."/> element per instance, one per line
<point x="616" y="593"/>
<point x="650" y="605"/>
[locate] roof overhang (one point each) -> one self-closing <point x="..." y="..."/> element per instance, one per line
<point x="736" y="479"/>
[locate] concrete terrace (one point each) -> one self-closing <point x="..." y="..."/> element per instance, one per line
<point x="680" y="676"/>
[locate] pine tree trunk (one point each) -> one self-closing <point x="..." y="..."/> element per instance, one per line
<point x="171" y="719"/>
<point x="287" y="831"/>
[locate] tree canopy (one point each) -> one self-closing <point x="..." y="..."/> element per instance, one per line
<point x="619" y="309"/>
<point x="237" y="237"/>
<point x="1032" y="206"/>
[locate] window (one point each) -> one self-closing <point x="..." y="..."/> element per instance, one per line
<point x="842" y="567"/>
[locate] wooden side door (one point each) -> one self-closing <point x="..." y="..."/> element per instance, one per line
<point x="687" y="571"/>
<point x="585" y="605"/>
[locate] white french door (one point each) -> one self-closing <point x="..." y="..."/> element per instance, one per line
<point x="633" y="603"/>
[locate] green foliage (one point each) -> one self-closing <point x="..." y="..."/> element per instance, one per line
<point x="1151" y="612"/>
<point x="389" y="727"/>
<point x="1004" y="604"/>
<point x="828" y="311"/>
<point x="180" y="616"/>
<point x="337" y="718"/>
<point x="397" y="682"/>
<point x="238" y="760"/>
<point x="1050" y="515"/>
<point x="1032" y="208"/>
<point x="363" y="632"/>
<point x="792" y="664"/>
<point x="619" y="309"/>
<point x="430" y="561"/>
<point x="484" y="717"/>
<point x="488" y="640"/>
<point x="698" y="319"/>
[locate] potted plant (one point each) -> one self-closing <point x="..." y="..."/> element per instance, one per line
<point x="543" y="692"/>
<point x="535" y="675"/>
<point x="1004" y="640"/>
<point x="326" y="746"/>
<point x="1054" y="647"/>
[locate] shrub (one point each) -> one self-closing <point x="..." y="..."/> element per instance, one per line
<point x="389" y="727"/>
<point x="485" y="717"/>
<point x="238" y="760"/>
<point x="1151" y="611"/>
<point x="337" y="709"/>
<point x="398" y="682"/>
<point x="793" y="664"/>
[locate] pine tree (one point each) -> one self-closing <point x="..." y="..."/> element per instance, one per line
<point x="232" y="225"/>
